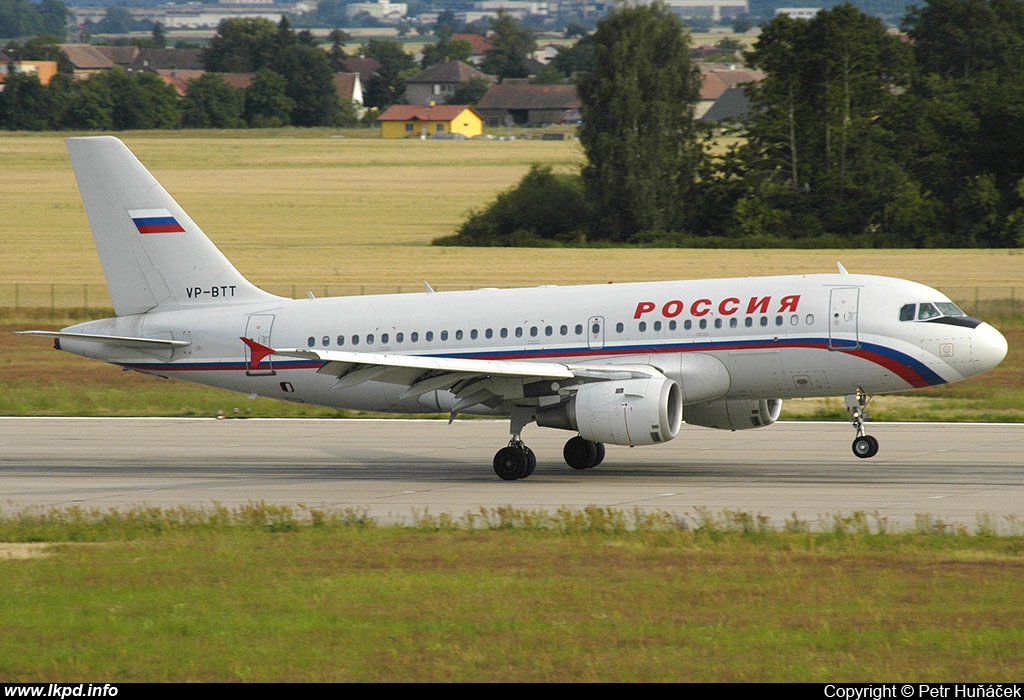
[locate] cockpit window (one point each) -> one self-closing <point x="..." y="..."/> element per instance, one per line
<point x="926" y="311"/>
<point x="929" y="310"/>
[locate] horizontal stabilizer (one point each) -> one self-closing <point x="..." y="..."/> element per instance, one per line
<point x="118" y="340"/>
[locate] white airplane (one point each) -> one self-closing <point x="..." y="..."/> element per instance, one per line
<point x="622" y="364"/>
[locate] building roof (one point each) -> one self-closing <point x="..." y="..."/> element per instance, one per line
<point x="477" y="42"/>
<point x="120" y="55"/>
<point x="345" y="85"/>
<point x="526" y="96"/>
<point x="431" y="113"/>
<point x="448" y="72"/>
<point x="86" y="57"/>
<point x="732" y="106"/>
<point x="715" y="82"/>
<point x="168" y="59"/>
<point x="365" y="67"/>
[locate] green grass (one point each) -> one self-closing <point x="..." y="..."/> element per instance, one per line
<point x="267" y="593"/>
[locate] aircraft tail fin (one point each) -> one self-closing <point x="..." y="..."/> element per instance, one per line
<point x="154" y="256"/>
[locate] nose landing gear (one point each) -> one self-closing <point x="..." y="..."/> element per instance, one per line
<point x="864" y="446"/>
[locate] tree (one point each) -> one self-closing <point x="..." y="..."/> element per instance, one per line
<point x="820" y="127"/>
<point x="159" y="35"/>
<point x="266" y="102"/>
<point x="513" y="45"/>
<point x="336" y="54"/>
<point x="446" y="50"/>
<point x="469" y="92"/>
<point x="241" y="45"/>
<point x="211" y="103"/>
<point x="638" y="130"/>
<point x="309" y="84"/>
<point x="387" y="86"/>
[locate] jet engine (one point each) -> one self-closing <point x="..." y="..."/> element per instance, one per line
<point x="639" y="411"/>
<point x="737" y="414"/>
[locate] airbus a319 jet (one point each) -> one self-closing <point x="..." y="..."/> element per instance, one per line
<point x="619" y="364"/>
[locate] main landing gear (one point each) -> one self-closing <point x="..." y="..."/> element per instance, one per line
<point x="517" y="461"/>
<point x="864" y="446"/>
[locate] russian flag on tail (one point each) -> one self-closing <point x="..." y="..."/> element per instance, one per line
<point x="155" y="221"/>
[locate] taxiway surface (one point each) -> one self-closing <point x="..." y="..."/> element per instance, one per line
<point x="398" y="470"/>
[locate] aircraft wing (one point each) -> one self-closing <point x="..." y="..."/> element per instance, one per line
<point x="472" y="381"/>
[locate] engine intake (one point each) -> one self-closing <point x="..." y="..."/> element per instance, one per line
<point x="737" y="414"/>
<point x="640" y="411"/>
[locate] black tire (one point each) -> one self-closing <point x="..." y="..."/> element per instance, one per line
<point x="511" y="463"/>
<point x="865" y="446"/>
<point x="600" y="454"/>
<point x="579" y="453"/>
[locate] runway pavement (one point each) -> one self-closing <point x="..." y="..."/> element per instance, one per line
<point x="396" y="470"/>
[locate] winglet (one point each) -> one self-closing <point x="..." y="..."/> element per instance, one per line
<point x="257" y="351"/>
<point x="842" y="270"/>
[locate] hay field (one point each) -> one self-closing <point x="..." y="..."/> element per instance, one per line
<point x="316" y="208"/>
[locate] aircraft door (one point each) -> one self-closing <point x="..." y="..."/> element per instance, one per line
<point x="842" y="319"/>
<point x="595" y="332"/>
<point x="258" y="328"/>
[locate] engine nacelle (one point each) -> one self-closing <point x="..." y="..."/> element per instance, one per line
<point x="738" y="414"/>
<point x="640" y="411"/>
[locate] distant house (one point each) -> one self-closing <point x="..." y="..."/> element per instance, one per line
<point x="430" y="121"/>
<point x="715" y="81"/>
<point x="365" y="67"/>
<point x="439" y="82"/>
<point x="44" y="70"/>
<point x="479" y="46"/>
<point x="167" y="59"/>
<point x="86" y="60"/>
<point x="509" y="103"/>
<point x="731" y="108"/>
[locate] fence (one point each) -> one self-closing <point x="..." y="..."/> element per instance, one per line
<point x="72" y="300"/>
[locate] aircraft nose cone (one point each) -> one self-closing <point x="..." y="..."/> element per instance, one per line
<point x="988" y="347"/>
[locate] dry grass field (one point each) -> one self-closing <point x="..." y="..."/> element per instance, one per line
<point x="316" y="208"/>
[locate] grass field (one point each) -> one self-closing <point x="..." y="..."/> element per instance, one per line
<point x="254" y="595"/>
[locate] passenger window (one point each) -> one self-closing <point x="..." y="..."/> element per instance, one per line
<point x="384" y="338"/>
<point x="369" y="338"/>
<point x="341" y="340"/>
<point x="355" y="340"/>
<point x="414" y="336"/>
<point x="444" y="335"/>
<point x="579" y="329"/>
<point x="733" y="322"/>
<point x="399" y="337"/>
<point x="458" y="335"/>
<point x="671" y="325"/>
<point x="504" y="332"/>
<point x="643" y="326"/>
<point x="548" y="330"/>
<point x="429" y="336"/>
<point x="718" y="323"/>
<point x="326" y="341"/>
<point x="488" y="333"/>
<point x="311" y="341"/>
<point x="564" y="330"/>
<point x="519" y="332"/>
<point x="619" y="327"/>
<point x="473" y="334"/>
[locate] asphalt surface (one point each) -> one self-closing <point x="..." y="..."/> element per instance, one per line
<point x="396" y="470"/>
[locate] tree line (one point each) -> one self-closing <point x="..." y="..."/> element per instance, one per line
<point x="856" y="137"/>
<point x="292" y="84"/>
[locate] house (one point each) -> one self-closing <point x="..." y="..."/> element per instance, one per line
<point x="715" y="81"/>
<point x="439" y="82"/>
<point x="478" y="44"/>
<point x="730" y="109"/>
<point x="365" y="67"/>
<point x="430" y="121"/>
<point x="512" y="103"/>
<point x="44" y="70"/>
<point x="167" y="59"/>
<point x="85" y="60"/>
<point x="349" y="87"/>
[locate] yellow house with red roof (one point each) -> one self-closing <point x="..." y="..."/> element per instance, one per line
<point x="430" y="122"/>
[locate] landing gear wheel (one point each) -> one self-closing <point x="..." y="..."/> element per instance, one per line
<point x="583" y="454"/>
<point x="865" y="446"/>
<point x="514" y="462"/>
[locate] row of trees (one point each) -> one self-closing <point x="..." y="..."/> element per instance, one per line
<point x="292" y="85"/>
<point x="856" y="138"/>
